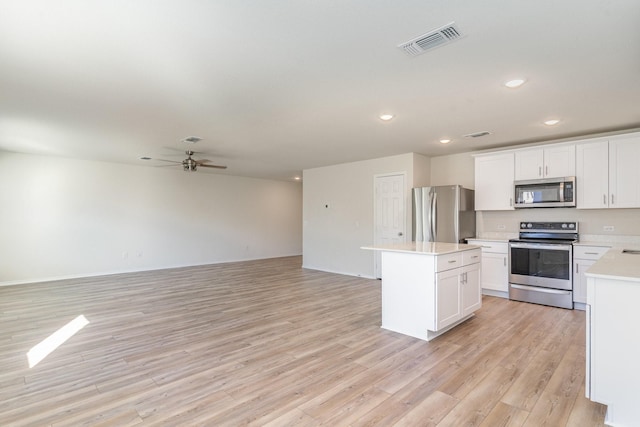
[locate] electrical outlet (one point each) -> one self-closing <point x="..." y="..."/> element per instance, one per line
<point x="608" y="228"/>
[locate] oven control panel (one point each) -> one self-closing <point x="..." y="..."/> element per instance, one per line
<point x="556" y="227"/>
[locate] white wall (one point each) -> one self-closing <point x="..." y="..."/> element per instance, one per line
<point x="452" y="170"/>
<point x="421" y="171"/>
<point x="626" y="222"/>
<point x="332" y="236"/>
<point x="70" y="218"/>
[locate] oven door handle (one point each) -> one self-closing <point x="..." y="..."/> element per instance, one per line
<point x="543" y="290"/>
<point x="541" y="246"/>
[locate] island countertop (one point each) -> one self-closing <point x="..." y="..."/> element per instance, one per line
<point x="424" y="248"/>
<point x="617" y="265"/>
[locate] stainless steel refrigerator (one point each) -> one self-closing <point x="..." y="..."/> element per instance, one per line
<point x="443" y="214"/>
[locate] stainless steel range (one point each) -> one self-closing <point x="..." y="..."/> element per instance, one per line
<point x="540" y="263"/>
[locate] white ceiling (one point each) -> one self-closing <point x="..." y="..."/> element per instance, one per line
<point x="274" y="87"/>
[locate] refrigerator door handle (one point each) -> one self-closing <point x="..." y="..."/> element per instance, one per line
<point x="424" y="236"/>
<point x="434" y="219"/>
<point x="418" y="203"/>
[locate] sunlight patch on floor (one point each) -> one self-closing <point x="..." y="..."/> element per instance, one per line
<point x="55" y="340"/>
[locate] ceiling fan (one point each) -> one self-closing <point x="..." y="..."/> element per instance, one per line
<point x="190" y="164"/>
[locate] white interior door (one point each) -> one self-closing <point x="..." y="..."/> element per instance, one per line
<point x="389" y="214"/>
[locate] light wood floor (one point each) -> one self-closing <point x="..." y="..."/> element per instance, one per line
<point x="269" y="343"/>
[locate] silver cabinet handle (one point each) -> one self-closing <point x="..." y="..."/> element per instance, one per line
<point x="577" y="265"/>
<point x="505" y="261"/>
<point x="604" y="199"/>
<point x="400" y="233"/>
<point x="510" y="201"/>
<point x="546" y="170"/>
<point x="451" y="261"/>
<point x="591" y="253"/>
<point x="612" y="202"/>
<point x="539" y="170"/>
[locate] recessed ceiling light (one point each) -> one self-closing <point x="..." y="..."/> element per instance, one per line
<point x="445" y="141"/>
<point x="552" y="122"/>
<point x="386" y="117"/>
<point x="515" y="83"/>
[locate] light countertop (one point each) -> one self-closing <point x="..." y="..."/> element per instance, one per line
<point x="616" y="265"/>
<point x="489" y="240"/>
<point x="424" y="248"/>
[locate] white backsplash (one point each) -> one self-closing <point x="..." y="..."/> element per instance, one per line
<point x="591" y="222"/>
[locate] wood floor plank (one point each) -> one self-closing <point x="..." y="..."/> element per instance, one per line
<point x="430" y="411"/>
<point x="267" y="342"/>
<point x="503" y="415"/>
<point x="558" y="398"/>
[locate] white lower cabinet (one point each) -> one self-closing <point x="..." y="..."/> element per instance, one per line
<point x="495" y="268"/>
<point x="583" y="258"/>
<point x="458" y="292"/>
<point x="448" y="298"/>
<point x="471" y="291"/>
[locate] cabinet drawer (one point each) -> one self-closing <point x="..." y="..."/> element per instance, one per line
<point x="589" y="252"/>
<point x="494" y="247"/>
<point x="449" y="261"/>
<point x="471" y="257"/>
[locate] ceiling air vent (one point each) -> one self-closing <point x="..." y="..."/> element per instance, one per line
<point x="431" y="40"/>
<point x="192" y="139"/>
<point x="477" y="134"/>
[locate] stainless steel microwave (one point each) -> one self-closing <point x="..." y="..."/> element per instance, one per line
<point x="545" y="193"/>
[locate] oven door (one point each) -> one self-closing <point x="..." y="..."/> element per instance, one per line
<point x="541" y="264"/>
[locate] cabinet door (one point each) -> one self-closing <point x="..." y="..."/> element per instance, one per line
<point x="447" y="297"/>
<point x="592" y="175"/>
<point x="470" y="289"/>
<point x="529" y="164"/>
<point x="495" y="272"/>
<point x="580" y="280"/>
<point x="624" y="173"/>
<point x="494" y="182"/>
<point x="559" y="161"/>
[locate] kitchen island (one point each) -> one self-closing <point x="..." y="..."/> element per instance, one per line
<point x="613" y="340"/>
<point x="428" y="287"/>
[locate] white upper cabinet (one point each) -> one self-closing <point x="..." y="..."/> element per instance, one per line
<point x="592" y="175"/>
<point x="624" y="172"/>
<point x="608" y="173"/>
<point x="546" y="162"/>
<point x="494" y="175"/>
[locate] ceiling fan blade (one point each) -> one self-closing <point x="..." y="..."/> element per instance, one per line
<point x="161" y="160"/>
<point x="211" y="166"/>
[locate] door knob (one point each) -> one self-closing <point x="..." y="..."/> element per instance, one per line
<point x="400" y="233"/>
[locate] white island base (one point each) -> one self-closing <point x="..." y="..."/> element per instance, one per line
<point x="429" y="288"/>
<point x="613" y="340"/>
